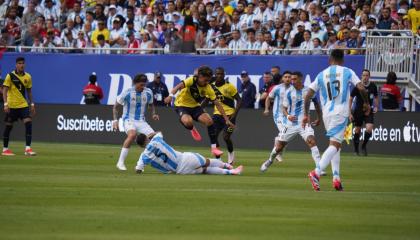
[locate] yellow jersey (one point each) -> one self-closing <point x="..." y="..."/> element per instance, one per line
<point x="414" y="18"/>
<point x="97" y="32"/>
<point x="226" y="95"/>
<point x="17" y="85"/>
<point x="192" y="95"/>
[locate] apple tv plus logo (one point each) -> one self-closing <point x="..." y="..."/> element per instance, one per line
<point x="409" y="133"/>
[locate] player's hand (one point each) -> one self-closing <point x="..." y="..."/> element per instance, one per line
<point x="375" y="110"/>
<point x="351" y="118"/>
<point x="168" y="100"/>
<point x="155" y="117"/>
<point x="316" y="123"/>
<point x="291" y="118"/>
<point x="115" y="125"/>
<point x="266" y="112"/>
<point x="305" y="121"/>
<point x="33" y="112"/>
<point x="6" y="109"/>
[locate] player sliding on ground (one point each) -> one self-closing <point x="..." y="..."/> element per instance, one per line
<point x="193" y="91"/>
<point x="135" y="101"/>
<point x="292" y="109"/>
<point x="334" y="86"/>
<point x="164" y="158"/>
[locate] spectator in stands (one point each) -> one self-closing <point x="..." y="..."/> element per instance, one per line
<point x="353" y="41"/>
<point x="117" y="32"/>
<point x="391" y="93"/>
<point x="78" y="23"/>
<point x="82" y="42"/>
<point x="298" y="37"/>
<point x="236" y="43"/>
<point x="102" y="47"/>
<point x="77" y="11"/>
<point x="248" y="91"/>
<point x="100" y="12"/>
<point x="101" y="30"/>
<point x="159" y="89"/>
<point x="133" y="43"/>
<point x="212" y="33"/>
<point x="316" y="31"/>
<point x="174" y="41"/>
<point x="317" y="46"/>
<point x="50" y="27"/>
<point x="14" y="30"/>
<point x="307" y="45"/>
<point x="14" y="4"/>
<point x="3" y="10"/>
<point x="92" y="92"/>
<point x="146" y="43"/>
<point x="332" y="41"/>
<point x="51" y="11"/>
<point x="414" y="16"/>
<point x="189" y="34"/>
<point x="385" y="19"/>
<point x="252" y="43"/>
<point x="222" y="47"/>
<point x="68" y="42"/>
<point x="51" y="42"/>
<point x="6" y="39"/>
<point x="35" y="47"/>
<point x="267" y="47"/>
<point x="69" y="28"/>
<point x="29" y="17"/>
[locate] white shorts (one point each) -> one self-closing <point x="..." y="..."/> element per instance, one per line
<point x="191" y="163"/>
<point x="288" y="133"/>
<point x="335" y="126"/>
<point x="139" y="126"/>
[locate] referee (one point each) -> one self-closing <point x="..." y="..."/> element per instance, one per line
<point x="16" y="84"/>
<point x="358" y="116"/>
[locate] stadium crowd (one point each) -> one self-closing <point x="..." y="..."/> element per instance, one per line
<point x="222" y="27"/>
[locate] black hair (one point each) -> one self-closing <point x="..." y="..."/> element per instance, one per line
<point x="391" y="78"/>
<point x="250" y="30"/>
<point x="276" y="78"/>
<point x="366" y="70"/>
<point x="141" y="139"/>
<point x="337" y="55"/>
<point x="92" y="78"/>
<point x="140" y="78"/>
<point x="100" y="37"/>
<point x="205" y="71"/>
<point x="287" y="72"/>
<point x="20" y="59"/>
<point x="268" y="73"/>
<point x="219" y="69"/>
<point x="276" y="67"/>
<point x="298" y="74"/>
<point x="188" y="21"/>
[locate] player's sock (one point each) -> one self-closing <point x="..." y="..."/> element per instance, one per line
<point x="28" y="133"/>
<point x="212" y="135"/>
<point x="231" y="157"/>
<point x="316" y="155"/>
<point x="123" y="155"/>
<point x="6" y="135"/>
<point x="217" y="171"/>
<point x="274" y="154"/>
<point x="356" y="141"/>
<point x="325" y="159"/>
<point x="366" y="139"/>
<point x="335" y="165"/>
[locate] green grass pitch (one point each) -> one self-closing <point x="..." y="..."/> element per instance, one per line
<point x="73" y="191"/>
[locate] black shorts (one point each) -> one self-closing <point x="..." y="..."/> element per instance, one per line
<point x="220" y="123"/>
<point x="194" y="112"/>
<point x="17" y="114"/>
<point x="360" y="118"/>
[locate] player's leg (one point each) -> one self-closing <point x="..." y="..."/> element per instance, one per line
<point x="368" y="132"/>
<point x="358" y="122"/>
<point x="279" y="145"/>
<point x="227" y="134"/>
<point x="335" y="165"/>
<point x="186" y="118"/>
<point x="8" y="126"/>
<point x="205" y="119"/>
<point x="217" y="167"/>
<point x="28" y="137"/>
<point x="219" y="125"/>
<point x="130" y="129"/>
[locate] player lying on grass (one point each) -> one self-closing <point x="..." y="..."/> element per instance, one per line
<point x="164" y="158"/>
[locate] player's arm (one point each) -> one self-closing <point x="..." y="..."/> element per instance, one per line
<point x="350" y="110"/>
<point x="115" y="115"/>
<point x="155" y="116"/>
<point x="285" y="106"/>
<point x="267" y="106"/>
<point x="222" y="111"/>
<point x="31" y="101"/>
<point x="6" y="105"/>
<point x="174" y="90"/>
<point x="307" y="104"/>
<point x="318" y="112"/>
<point x="238" y="105"/>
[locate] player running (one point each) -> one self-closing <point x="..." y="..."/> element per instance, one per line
<point x="277" y="95"/>
<point x="226" y="93"/>
<point x="164" y="158"/>
<point x="293" y="111"/>
<point x="193" y="91"/>
<point x="135" y="101"/>
<point x="358" y="117"/>
<point x="16" y="106"/>
<point x="333" y="83"/>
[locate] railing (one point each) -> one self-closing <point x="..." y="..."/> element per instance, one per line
<point x="43" y="49"/>
<point x="417" y="62"/>
<point x="274" y="51"/>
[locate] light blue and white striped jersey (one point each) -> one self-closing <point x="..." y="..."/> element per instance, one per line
<point x="334" y="86"/>
<point x="135" y="103"/>
<point x="160" y="155"/>
<point x="294" y="102"/>
<point x="278" y="93"/>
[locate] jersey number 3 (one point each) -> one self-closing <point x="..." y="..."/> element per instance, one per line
<point x="333" y="89"/>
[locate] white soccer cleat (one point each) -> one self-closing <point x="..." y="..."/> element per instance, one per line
<point x="121" y="167"/>
<point x="279" y="158"/>
<point x="266" y="165"/>
<point x="138" y="170"/>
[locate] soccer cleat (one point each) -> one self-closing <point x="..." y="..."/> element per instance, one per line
<point x="314" y="180"/>
<point x="29" y="152"/>
<point x="216" y="152"/>
<point x="7" y="152"/>
<point x="266" y="165"/>
<point x="121" y="167"/>
<point x="195" y="134"/>
<point x="337" y="185"/>
<point x="138" y="170"/>
<point x="237" y="171"/>
<point x="279" y="158"/>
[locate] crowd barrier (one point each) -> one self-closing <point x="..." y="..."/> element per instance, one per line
<point x="395" y="133"/>
<point x="60" y="78"/>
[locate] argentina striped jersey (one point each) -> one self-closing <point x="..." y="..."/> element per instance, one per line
<point x="135" y="103"/>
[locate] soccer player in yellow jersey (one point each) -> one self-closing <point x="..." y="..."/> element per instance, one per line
<point x="226" y="93"/>
<point x="193" y="91"/>
<point x="16" y="106"/>
<point x="414" y="16"/>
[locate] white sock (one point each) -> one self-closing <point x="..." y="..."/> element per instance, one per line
<point x="27" y="147"/>
<point x="335" y="165"/>
<point x="231" y="157"/>
<point x="213" y="146"/>
<point x="315" y="155"/>
<point x="123" y="155"/>
<point x="217" y="171"/>
<point x="216" y="163"/>
<point x="325" y="159"/>
<point x="273" y="154"/>
<point x="5" y="148"/>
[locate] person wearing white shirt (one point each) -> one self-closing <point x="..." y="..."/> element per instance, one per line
<point x="247" y="20"/>
<point x="171" y="9"/>
<point x="282" y="7"/>
<point x="266" y="47"/>
<point x="116" y="32"/>
<point x="307" y="45"/>
<point x="265" y="14"/>
<point x="252" y="44"/>
<point x="102" y="47"/>
<point x="77" y="11"/>
<point x="51" y="11"/>
<point x="236" y="43"/>
<point x="317" y="32"/>
<point x="112" y="14"/>
<point x="222" y="48"/>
